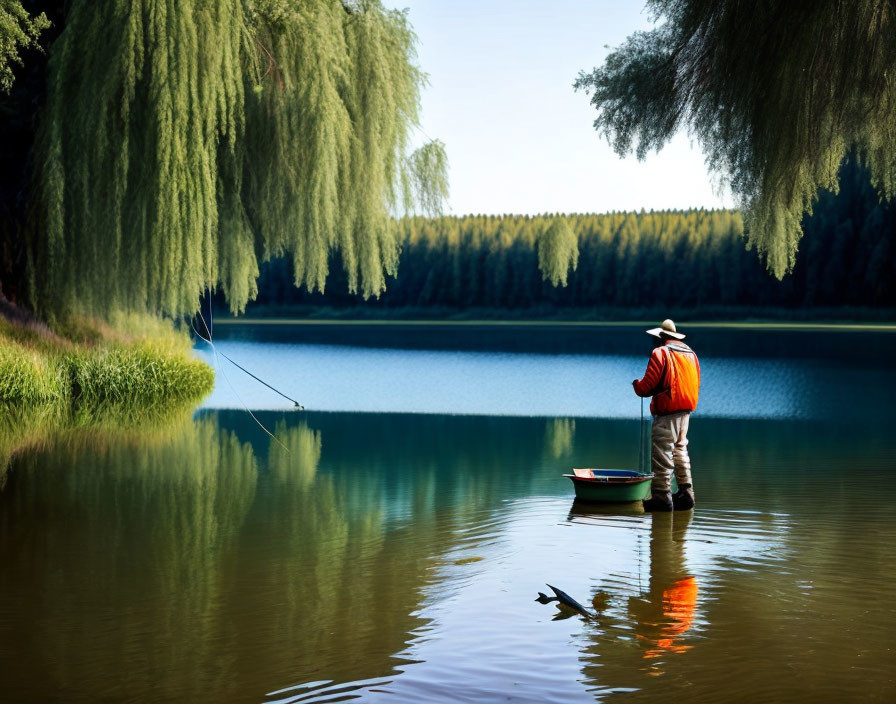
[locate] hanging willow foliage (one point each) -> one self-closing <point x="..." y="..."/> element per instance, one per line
<point x="183" y="140"/>
<point x="18" y="31"/>
<point x="776" y="92"/>
<point x="558" y="252"/>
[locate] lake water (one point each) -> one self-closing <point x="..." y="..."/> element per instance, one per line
<point x="559" y="371"/>
<point x="388" y="545"/>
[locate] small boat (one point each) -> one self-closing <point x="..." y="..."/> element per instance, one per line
<point x="610" y="485"/>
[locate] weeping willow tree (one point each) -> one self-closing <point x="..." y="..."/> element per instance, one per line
<point x="558" y="251"/>
<point x="18" y="31"/>
<point x="777" y="93"/>
<point x="183" y="141"/>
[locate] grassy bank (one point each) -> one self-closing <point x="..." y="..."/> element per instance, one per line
<point x="133" y="365"/>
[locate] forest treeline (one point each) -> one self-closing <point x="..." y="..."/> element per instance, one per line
<point x="672" y="259"/>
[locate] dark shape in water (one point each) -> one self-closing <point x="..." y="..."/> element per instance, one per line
<point x="563" y="600"/>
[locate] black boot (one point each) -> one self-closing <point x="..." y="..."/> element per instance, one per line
<point x="658" y="501"/>
<point x="683" y="499"/>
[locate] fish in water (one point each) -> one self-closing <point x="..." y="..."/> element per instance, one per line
<point x="563" y="600"/>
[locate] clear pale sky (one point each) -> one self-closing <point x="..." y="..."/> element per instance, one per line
<point x="519" y="139"/>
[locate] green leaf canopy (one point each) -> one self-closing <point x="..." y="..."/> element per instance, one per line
<point x="18" y="31"/>
<point x="184" y="140"/>
<point x="776" y="92"/>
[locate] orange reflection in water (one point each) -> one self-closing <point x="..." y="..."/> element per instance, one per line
<point x="679" y="608"/>
<point x="666" y="613"/>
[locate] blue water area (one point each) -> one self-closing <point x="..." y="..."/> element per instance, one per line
<point x="526" y="371"/>
<point x="396" y="556"/>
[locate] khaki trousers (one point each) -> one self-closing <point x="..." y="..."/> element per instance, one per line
<point x="669" y="450"/>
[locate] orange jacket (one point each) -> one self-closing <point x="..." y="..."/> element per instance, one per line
<point x="672" y="378"/>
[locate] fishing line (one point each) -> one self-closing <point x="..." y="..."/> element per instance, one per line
<point x="420" y="129"/>
<point x="297" y="404"/>
<point x="640" y="590"/>
<point x="641" y="440"/>
<point x="238" y="366"/>
<point x="233" y="388"/>
<point x="227" y="379"/>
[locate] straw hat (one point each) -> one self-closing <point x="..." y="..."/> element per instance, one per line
<point x="666" y="331"/>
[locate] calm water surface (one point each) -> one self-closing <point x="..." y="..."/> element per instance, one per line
<point x="396" y="556"/>
<point x="531" y="371"/>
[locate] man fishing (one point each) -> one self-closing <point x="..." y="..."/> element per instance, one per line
<point x="673" y="380"/>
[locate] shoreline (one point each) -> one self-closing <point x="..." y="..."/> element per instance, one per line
<point x="485" y="322"/>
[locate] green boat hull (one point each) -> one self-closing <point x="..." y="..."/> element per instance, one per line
<point x="606" y="492"/>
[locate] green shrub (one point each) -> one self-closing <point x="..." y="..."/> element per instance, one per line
<point x="144" y="374"/>
<point x="99" y="367"/>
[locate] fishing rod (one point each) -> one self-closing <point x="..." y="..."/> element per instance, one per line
<point x="236" y="393"/>
<point x="641" y="440"/>
<point x="208" y="330"/>
<point x="262" y="381"/>
<point x="208" y="340"/>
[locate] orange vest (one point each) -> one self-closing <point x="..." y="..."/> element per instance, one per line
<point x="672" y="378"/>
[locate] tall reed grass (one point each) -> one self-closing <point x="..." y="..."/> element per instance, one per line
<point x="131" y="364"/>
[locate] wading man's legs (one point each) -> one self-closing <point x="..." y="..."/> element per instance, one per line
<point x="680" y="452"/>
<point x="662" y="445"/>
<point x="684" y="497"/>
<point x="669" y="452"/>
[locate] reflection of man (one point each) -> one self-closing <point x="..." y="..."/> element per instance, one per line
<point x="668" y="609"/>
<point x="673" y="380"/>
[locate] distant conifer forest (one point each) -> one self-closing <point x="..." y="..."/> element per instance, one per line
<point x="690" y="260"/>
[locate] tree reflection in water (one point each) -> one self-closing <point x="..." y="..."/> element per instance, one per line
<point x="396" y="558"/>
<point x="133" y="534"/>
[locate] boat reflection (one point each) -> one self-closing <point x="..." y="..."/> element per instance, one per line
<point x="585" y="509"/>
